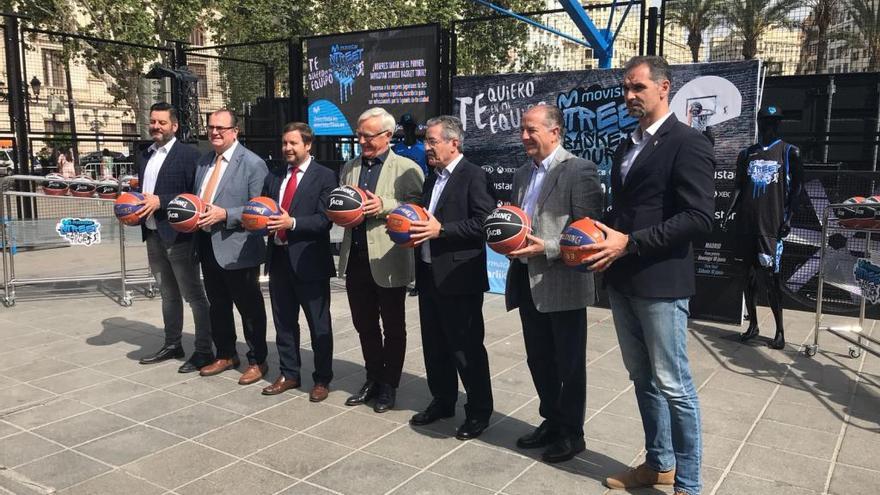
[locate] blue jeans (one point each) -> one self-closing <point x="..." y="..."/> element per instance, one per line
<point x="176" y="270"/>
<point x="653" y="340"/>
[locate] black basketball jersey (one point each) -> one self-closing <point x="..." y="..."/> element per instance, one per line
<point x="763" y="177"/>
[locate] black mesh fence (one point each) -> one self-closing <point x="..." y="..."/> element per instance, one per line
<point x="823" y="36"/>
<point x="250" y="79"/>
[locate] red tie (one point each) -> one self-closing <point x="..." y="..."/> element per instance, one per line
<point x="287" y="199"/>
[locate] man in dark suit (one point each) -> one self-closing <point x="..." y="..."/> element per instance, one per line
<point x="662" y="199"/>
<point x="451" y="278"/>
<point x="165" y="169"/>
<point x="231" y="256"/>
<point x="299" y="261"/>
<point x="554" y="188"/>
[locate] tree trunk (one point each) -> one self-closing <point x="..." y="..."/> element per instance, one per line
<point x="750" y="48"/>
<point x="695" y="39"/>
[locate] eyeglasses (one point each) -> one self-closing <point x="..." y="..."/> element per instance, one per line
<point x="369" y="137"/>
<point x="434" y="142"/>
<point x="220" y="129"/>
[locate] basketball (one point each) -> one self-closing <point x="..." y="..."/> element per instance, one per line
<point x="344" y="206"/>
<point x="853" y="217"/>
<point x="872" y="212"/>
<point x="55" y="186"/>
<point x="126" y="207"/>
<point x="257" y="212"/>
<point x="506" y="229"/>
<point x="129" y="183"/>
<point x="400" y="220"/>
<point x="82" y="187"/>
<point x="107" y="191"/>
<point x="184" y="212"/>
<point x="580" y="233"/>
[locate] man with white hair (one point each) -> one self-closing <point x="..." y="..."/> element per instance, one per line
<point x="376" y="270"/>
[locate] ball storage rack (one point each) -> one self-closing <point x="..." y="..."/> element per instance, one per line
<point x="836" y="267"/>
<point x="27" y="219"/>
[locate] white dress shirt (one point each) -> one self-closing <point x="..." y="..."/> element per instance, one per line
<point x="151" y="172"/>
<point x="224" y="163"/>
<point x="640" y="139"/>
<point x="443" y="175"/>
<point x="299" y="177"/>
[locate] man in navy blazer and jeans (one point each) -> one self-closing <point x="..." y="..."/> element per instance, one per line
<point x="299" y="261"/>
<point x="662" y="199"/>
<point x="165" y="169"/>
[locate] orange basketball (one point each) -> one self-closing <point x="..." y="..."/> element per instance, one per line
<point x="257" y="212"/>
<point x="506" y="229"/>
<point x="184" y="212"/>
<point x="345" y="206"/>
<point x="126" y="207"/>
<point x="400" y="220"/>
<point x="580" y="233"/>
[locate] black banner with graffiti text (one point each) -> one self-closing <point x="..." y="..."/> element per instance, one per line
<point x="719" y="99"/>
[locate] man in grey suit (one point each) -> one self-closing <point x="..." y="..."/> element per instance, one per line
<point x="554" y="188"/>
<point x="231" y="256"/>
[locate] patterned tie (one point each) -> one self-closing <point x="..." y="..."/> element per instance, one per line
<point x="287" y="199"/>
<point x="212" y="182"/>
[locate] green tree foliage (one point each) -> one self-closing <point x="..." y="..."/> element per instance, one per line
<point x="751" y="19"/>
<point x="695" y="16"/>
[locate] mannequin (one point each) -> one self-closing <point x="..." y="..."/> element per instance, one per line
<point x="411" y="146"/>
<point x="769" y="178"/>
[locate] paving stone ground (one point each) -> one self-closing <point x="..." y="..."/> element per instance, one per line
<point x="79" y="415"/>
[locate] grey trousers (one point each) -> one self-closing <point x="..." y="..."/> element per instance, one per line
<point x="176" y="269"/>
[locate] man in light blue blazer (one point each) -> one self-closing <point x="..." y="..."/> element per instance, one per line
<point x="226" y="179"/>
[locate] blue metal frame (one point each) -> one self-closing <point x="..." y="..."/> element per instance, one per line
<point x="601" y="41"/>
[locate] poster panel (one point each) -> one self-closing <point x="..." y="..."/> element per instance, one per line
<point x="719" y="99"/>
<point x="397" y="69"/>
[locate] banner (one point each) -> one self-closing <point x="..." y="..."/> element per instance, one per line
<point x="396" y="69"/>
<point x="719" y="99"/>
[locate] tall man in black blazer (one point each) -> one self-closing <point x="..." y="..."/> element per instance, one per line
<point x="299" y="261"/>
<point x="165" y="169"/>
<point x="451" y="278"/>
<point x="662" y="198"/>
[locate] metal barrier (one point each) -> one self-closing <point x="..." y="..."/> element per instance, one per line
<point x="32" y="221"/>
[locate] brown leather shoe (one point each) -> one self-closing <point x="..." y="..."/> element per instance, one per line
<point x="219" y="366"/>
<point x="253" y="373"/>
<point x="638" y="477"/>
<point x="319" y="392"/>
<point x="281" y="384"/>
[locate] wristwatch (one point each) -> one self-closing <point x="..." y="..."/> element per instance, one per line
<point x="631" y="246"/>
<point x="442" y="231"/>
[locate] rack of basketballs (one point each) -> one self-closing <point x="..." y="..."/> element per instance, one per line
<point x="30" y="202"/>
<point x="855" y="268"/>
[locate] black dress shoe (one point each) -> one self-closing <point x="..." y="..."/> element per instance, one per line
<point x="472" y="428"/>
<point x="165" y="353"/>
<point x="385" y="398"/>
<point x="367" y="392"/>
<point x="564" y="449"/>
<point x="543" y="436"/>
<point x="432" y="413"/>
<point x="196" y="362"/>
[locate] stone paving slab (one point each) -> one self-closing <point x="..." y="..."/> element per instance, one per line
<point x="79" y="415"/>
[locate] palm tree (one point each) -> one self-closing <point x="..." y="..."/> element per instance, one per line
<point x="694" y="15"/>
<point x="816" y="29"/>
<point x="751" y="19"/>
<point x="866" y="18"/>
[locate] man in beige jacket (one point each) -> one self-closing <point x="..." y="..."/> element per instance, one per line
<point x="376" y="270"/>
